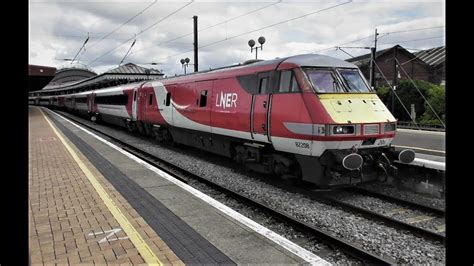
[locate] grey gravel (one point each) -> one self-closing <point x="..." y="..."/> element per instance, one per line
<point x="401" y="246"/>
<point x="393" y="210"/>
<point x="390" y="190"/>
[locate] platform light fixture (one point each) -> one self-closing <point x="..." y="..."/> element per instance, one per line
<point x="251" y="43"/>
<point x="185" y="63"/>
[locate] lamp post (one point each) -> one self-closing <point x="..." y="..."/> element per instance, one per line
<point x="251" y="43"/>
<point x="185" y="63"/>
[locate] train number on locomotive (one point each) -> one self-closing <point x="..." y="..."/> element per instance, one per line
<point x="302" y="145"/>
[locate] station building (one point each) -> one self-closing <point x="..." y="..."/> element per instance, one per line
<point x="427" y="65"/>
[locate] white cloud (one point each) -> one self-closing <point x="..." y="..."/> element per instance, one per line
<point x="58" y="30"/>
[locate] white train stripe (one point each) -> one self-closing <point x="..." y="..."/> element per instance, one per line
<point x="179" y="120"/>
<point x="115" y="110"/>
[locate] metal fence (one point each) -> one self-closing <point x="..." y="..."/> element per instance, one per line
<point x="411" y="125"/>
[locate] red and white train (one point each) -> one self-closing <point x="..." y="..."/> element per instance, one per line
<point x="307" y="116"/>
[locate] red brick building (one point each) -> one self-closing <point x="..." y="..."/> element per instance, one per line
<point x="436" y="58"/>
<point x="411" y="66"/>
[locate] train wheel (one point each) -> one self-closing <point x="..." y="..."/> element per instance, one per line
<point x="140" y="128"/>
<point x="239" y="154"/>
<point x="167" y="137"/>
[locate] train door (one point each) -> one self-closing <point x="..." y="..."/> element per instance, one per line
<point x="141" y="103"/>
<point x="165" y="107"/>
<point x="89" y="103"/>
<point x="134" y="103"/>
<point x="260" y="107"/>
<point x="73" y="102"/>
<point x="202" y="92"/>
<point x="151" y="103"/>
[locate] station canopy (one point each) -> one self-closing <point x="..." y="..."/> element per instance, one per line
<point x="69" y="80"/>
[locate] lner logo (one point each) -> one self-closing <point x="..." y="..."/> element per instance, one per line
<point x="226" y="100"/>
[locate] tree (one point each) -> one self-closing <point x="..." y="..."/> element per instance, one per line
<point x="384" y="94"/>
<point x="437" y="98"/>
<point x="409" y="95"/>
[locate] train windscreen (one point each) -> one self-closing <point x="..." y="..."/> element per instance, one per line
<point x="337" y="81"/>
<point x="353" y="80"/>
<point x="324" y="81"/>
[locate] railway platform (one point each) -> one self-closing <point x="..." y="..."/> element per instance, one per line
<point x="90" y="202"/>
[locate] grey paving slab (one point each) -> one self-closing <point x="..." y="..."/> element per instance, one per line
<point x="145" y="179"/>
<point x="240" y="244"/>
<point x="171" y="192"/>
<point x="185" y="208"/>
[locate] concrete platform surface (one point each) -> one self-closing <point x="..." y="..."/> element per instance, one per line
<point x="91" y="202"/>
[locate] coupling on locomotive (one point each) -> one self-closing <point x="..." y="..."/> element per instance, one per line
<point x="310" y="117"/>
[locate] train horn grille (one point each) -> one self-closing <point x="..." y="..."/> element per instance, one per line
<point x="371" y="129"/>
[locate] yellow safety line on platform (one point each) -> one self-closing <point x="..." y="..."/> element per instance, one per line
<point x="137" y="240"/>
<point x="416" y="148"/>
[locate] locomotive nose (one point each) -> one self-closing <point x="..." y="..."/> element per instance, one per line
<point x="352" y="161"/>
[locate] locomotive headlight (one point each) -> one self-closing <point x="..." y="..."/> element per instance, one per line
<point x="337" y="130"/>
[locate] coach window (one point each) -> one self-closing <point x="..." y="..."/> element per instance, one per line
<point x="285" y="81"/>
<point x="135" y="95"/>
<point x="150" y="101"/>
<point x="262" y="88"/>
<point x="288" y="82"/>
<point x="294" y="83"/>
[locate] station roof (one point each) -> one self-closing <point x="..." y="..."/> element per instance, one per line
<point x="39" y="76"/>
<point x="125" y="74"/>
<point x="434" y="56"/>
<point x="362" y="60"/>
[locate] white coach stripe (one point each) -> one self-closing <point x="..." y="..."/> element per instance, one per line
<point x="278" y="239"/>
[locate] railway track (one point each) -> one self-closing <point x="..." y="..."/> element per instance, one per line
<point x="330" y="197"/>
<point x="327" y="237"/>
<point x="409" y="222"/>
<point x="375" y="194"/>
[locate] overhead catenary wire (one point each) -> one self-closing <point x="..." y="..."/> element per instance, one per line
<point x="418" y="29"/>
<point x="342" y="50"/>
<point x="395" y="93"/>
<point x="83" y="45"/>
<point x="123" y="24"/>
<point x="385" y="34"/>
<point x="73" y="36"/>
<point x="127" y="52"/>
<point x="419" y="91"/>
<point x="142" y="31"/>
<point x="415" y="40"/>
<point x="266" y="27"/>
<point x="212" y="26"/>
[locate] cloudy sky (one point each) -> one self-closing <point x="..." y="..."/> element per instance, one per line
<point x="163" y="30"/>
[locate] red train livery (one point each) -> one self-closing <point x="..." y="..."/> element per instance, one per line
<point x="310" y="116"/>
